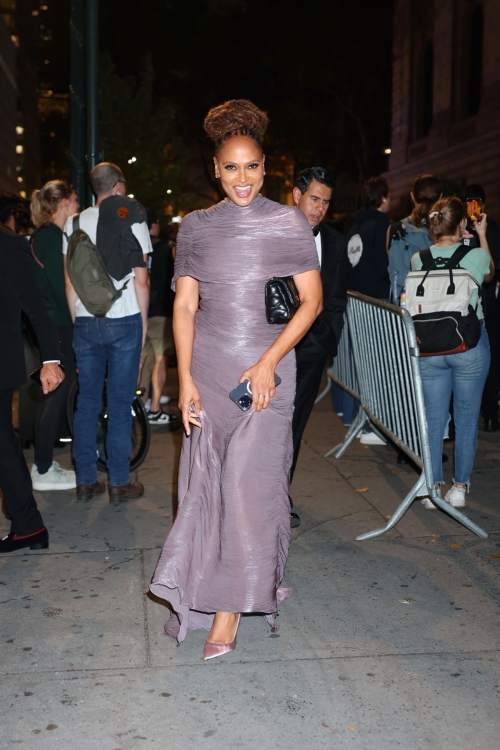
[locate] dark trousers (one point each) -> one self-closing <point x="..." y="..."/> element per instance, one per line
<point x="492" y="385"/>
<point x="15" y="481"/>
<point x="310" y="365"/>
<point x="52" y="408"/>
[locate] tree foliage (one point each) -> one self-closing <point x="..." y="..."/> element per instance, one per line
<point x="135" y="122"/>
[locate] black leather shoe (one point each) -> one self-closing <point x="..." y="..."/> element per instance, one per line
<point x="87" y="491"/>
<point x="12" y="542"/>
<point x="490" y="425"/>
<point x="126" y="491"/>
<point x="294" y="520"/>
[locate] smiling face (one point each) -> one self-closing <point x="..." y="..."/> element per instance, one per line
<point x="314" y="202"/>
<point x="240" y="165"/>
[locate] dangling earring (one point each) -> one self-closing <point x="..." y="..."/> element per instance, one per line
<point x="217" y="175"/>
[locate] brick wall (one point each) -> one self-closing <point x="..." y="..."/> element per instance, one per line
<point x="460" y="148"/>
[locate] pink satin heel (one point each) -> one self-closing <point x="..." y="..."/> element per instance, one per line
<point x="213" y="649"/>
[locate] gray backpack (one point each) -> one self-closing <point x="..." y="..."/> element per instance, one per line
<point x="87" y="273"/>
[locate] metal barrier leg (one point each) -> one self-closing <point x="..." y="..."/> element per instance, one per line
<point x="324" y="392"/>
<point x="401" y="510"/>
<point x="421" y="489"/>
<point x="454" y="513"/>
<point x="359" y="422"/>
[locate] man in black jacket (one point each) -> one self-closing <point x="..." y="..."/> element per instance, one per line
<point x="312" y="195"/>
<point x="20" y="290"/>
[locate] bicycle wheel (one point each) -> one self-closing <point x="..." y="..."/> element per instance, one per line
<point x="140" y="431"/>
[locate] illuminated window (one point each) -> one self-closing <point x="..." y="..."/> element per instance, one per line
<point x="35" y="13"/>
<point x="19" y="149"/>
<point x="19" y="129"/>
<point x="22" y="193"/>
<point x="20" y="179"/>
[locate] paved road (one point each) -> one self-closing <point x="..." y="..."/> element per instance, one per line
<point x="391" y="643"/>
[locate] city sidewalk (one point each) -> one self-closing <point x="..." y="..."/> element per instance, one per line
<point x="390" y="643"/>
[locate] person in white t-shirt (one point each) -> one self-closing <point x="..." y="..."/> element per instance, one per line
<point x="108" y="347"/>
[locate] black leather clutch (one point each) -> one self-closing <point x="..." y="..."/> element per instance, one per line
<point x="282" y="299"/>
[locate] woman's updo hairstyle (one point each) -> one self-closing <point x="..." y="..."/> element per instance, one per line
<point x="235" y="117"/>
<point x="45" y="202"/>
<point x="445" y="216"/>
<point x="426" y="190"/>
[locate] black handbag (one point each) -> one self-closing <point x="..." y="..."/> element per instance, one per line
<point x="282" y="299"/>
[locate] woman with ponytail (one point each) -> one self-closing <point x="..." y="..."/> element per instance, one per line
<point x="50" y="208"/>
<point x="461" y="375"/>
<point x="411" y="235"/>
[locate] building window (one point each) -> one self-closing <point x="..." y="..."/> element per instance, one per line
<point x="469" y="52"/>
<point x="428" y="97"/>
<point x="423" y="84"/>
<point x="475" y="61"/>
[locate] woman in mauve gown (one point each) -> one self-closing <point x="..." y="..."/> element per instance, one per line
<point x="228" y="547"/>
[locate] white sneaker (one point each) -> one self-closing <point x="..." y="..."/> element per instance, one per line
<point x="371" y="438"/>
<point x="55" y="478"/>
<point x="162" y="417"/>
<point x="456" y="496"/>
<point x="427" y="502"/>
<point x="147" y="405"/>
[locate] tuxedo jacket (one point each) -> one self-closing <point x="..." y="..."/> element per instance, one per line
<point x="21" y="290"/>
<point x="324" y="335"/>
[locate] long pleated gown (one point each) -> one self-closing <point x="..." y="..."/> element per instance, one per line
<point x="228" y="547"/>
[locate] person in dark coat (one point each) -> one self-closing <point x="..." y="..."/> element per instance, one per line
<point x="491" y="307"/>
<point x="20" y="290"/>
<point x="312" y="195"/>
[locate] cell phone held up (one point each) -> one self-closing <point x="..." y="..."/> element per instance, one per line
<point x="474" y="208"/>
<point x="242" y="394"/>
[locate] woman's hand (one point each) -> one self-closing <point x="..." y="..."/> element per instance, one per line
<point x="189" y="404"/>
<point x="262" y="385"/>
<point x="480" y="225"/>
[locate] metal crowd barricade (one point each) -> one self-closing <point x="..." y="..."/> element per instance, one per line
<point x="386" y="380"/>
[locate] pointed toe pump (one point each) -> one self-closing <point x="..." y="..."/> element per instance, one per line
<point x="213" y="649"/>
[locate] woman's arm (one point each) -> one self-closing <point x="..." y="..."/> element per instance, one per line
<point x="261" y="375"/>
<point x="480" y="227"/>
<point x="141" y="282"/>
<point x="185" y="306"/>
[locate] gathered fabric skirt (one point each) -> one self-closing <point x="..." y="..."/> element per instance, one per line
<point x="228" y="547"/>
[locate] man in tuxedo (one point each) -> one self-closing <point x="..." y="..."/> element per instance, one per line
<point x="312" y="195"/>
<point x="20" y="290"/>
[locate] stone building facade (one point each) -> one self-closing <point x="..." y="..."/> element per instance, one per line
<point x="446" y="95"/>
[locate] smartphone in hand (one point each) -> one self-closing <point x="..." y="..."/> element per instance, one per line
<point x="242" y="394"/>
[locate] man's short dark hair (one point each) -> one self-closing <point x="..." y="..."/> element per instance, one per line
<point x="9" y="203"/>
<point x="104" y="177"/>
<point x="474" y="191"/>
<point x="320" y="174"/>
<point x="374" y="190"/>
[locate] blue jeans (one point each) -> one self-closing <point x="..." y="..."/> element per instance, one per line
<point x="464" y="376"/>
<point x="344" y="403"/>
<point x="117" y="343"/>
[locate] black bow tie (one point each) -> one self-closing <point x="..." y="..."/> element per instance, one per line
<point x="316" y="230"/>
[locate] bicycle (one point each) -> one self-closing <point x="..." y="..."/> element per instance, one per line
<point x="141" y="429"/>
